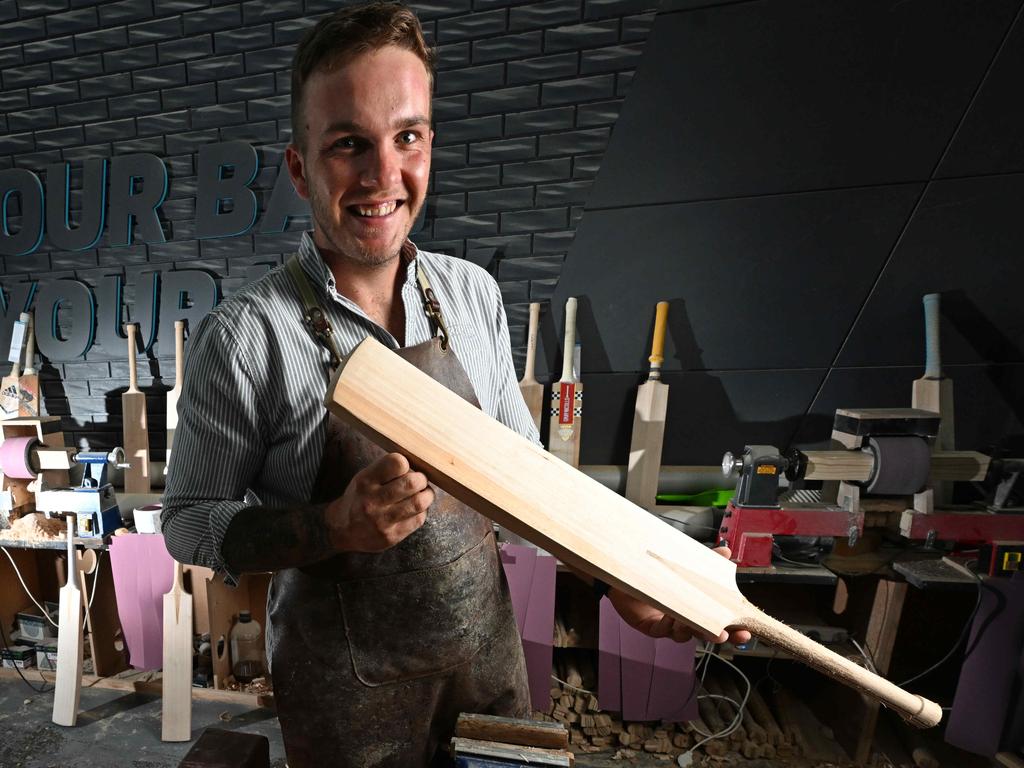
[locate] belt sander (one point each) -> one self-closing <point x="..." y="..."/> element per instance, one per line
<point x="888" y="452"/>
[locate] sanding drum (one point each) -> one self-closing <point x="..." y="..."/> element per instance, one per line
<point x="901" y="465"/>
<point x="18" y="458"/>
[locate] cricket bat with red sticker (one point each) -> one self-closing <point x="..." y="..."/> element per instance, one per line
<point x="567" y="399"/>
<point x="533" y="390"/>
<point x="649" y="423"/>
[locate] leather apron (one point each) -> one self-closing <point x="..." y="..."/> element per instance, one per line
<point x="375" y="655"/>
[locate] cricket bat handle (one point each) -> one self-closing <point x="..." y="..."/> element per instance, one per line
<point x="529" y="374"/>
<point x="932" y="350"/>
<point x="30" y="346"/>
<point x="179" y="352"/>
<point x="915" y="709"/>
<point x="658" y="344"/>
<point x="133" y="376"/>
<point x="72" y="561"/>
<point x="569" y="343"/>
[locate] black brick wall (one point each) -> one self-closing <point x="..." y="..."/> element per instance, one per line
<point x="526" y="95"/>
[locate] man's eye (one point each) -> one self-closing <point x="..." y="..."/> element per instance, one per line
<point x="347" y="142"/>
<point x="408" y="137"/>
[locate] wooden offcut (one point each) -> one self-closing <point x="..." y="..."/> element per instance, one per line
<point x="531" y="389"/>
<point x="176" y="714"/>
<point x="136" y="430"/>
<point x="649" y="423"/>
<point x="589" y="527"/>
<point x="70" y="642"/>
<point x="509" y="730"/>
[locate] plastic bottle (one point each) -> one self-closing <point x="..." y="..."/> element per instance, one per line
<point x="246" y="648"/>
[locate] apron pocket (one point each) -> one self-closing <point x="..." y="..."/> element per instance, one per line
<point x="421" y="623"/>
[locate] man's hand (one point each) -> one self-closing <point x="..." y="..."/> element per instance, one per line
<point x="656" y="623"/>
<point x="384" y="503"/>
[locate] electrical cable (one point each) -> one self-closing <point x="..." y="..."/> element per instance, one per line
<point x="686" y="758"/>
<point x="962" y="637"/>
<point x="568" y="685"/>
<point x="23" y="586"/>
<point x="7" y="647"/>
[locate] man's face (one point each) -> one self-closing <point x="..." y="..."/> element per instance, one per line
<point x="367" y="157"/>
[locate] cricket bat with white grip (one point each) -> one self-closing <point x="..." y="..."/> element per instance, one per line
<point x="176" y="715"/>
<point x="649" y="423"/>
<point x="533" y="390"/>
<point x="567" y="399"/>
<point x="70" y="643"/>
<point x="586" y="525"/>
<point x="175" y="393"/>
<point x="933" y="391"/>
<point x="10" y="387"/>
<point x="29" y="382"/>
<point x="136" y="430"/>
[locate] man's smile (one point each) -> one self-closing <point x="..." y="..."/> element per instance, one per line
<point x="376" y="211"/>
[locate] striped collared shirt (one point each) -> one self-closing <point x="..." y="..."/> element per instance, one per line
<point x="252" y="423"/>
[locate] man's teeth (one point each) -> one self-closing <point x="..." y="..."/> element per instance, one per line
<point x="377" y="210"/>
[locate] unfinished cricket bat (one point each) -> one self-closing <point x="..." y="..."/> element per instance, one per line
<point x="558" y="508"/>
<point x="29" y="382"/>
<point x="567" y="399"/>
<point x="533" y="390"/>
<point x="70" y="643"/>
<point x="176" y="718"/>
<point x="136" y="432"/>
<point x="10" y="387"/>
<point x="649" y="423"/>
<point x="175" y="393"/>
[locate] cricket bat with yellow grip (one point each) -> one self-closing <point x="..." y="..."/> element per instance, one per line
<point x="567" y="399"/>
<point x="649" y="423"/>
<point x="560" y="509"/>
<point x="70" y="642"/>
<point x="136" y="429"/>
<point x="533" y="390"/>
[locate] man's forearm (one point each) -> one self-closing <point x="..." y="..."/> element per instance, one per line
<point x="264" y="539"/>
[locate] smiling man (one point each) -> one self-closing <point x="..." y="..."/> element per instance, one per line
<point x="388" y="613"/>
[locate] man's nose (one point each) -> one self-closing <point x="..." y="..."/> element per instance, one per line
<point x="383" y="168"/>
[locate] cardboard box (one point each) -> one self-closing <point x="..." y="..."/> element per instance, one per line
<point x="33" y="626"/>
<point x="21" y="656"/>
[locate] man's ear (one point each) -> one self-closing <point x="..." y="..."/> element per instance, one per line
<point x="297" y="170"/>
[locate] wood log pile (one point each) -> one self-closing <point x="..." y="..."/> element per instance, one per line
<point x="761" y="733"/>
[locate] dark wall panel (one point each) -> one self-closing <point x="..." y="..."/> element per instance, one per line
<point x="965" y="241"/>
<point x="765" y="282"/>
<point x="991" y="139"/>
<point x="805" y="94"/>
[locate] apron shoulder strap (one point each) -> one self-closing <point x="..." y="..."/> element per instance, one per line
<point x="314" y="316"/>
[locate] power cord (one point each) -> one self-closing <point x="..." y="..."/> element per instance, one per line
<point x="686" y="758"/>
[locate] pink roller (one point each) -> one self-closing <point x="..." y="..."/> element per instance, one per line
<point x="16" y="457"/>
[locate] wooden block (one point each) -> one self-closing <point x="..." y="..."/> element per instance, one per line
<point x="510" y="730"/>
<point x="217" y="748"/>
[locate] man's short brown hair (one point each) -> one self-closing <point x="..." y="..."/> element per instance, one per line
<point x="347" y="33"/>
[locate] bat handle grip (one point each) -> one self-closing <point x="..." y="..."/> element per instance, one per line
<point x="917" y="710"/>
<point x="529" y="373"/>
<point x="133" y="376"/>
<point x="30" y="346"/>
<point x="569" y="344"/>
<point x="658" y="344"/>
<point x="932" y="351"/>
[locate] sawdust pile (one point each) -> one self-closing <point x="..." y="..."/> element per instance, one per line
<point x="35" y="527"/>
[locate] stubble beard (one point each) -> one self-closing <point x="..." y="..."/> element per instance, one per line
<point x="352" y="248"/>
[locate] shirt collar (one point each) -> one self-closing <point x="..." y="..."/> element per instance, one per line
<point x="315" y="267"/>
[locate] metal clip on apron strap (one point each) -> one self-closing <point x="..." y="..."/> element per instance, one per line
<point x="316" y="319"/>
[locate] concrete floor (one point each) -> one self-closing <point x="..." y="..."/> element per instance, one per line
<point x="116" y="729"/>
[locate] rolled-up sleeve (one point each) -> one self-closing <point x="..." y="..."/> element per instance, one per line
<point x="219" y="447"/>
